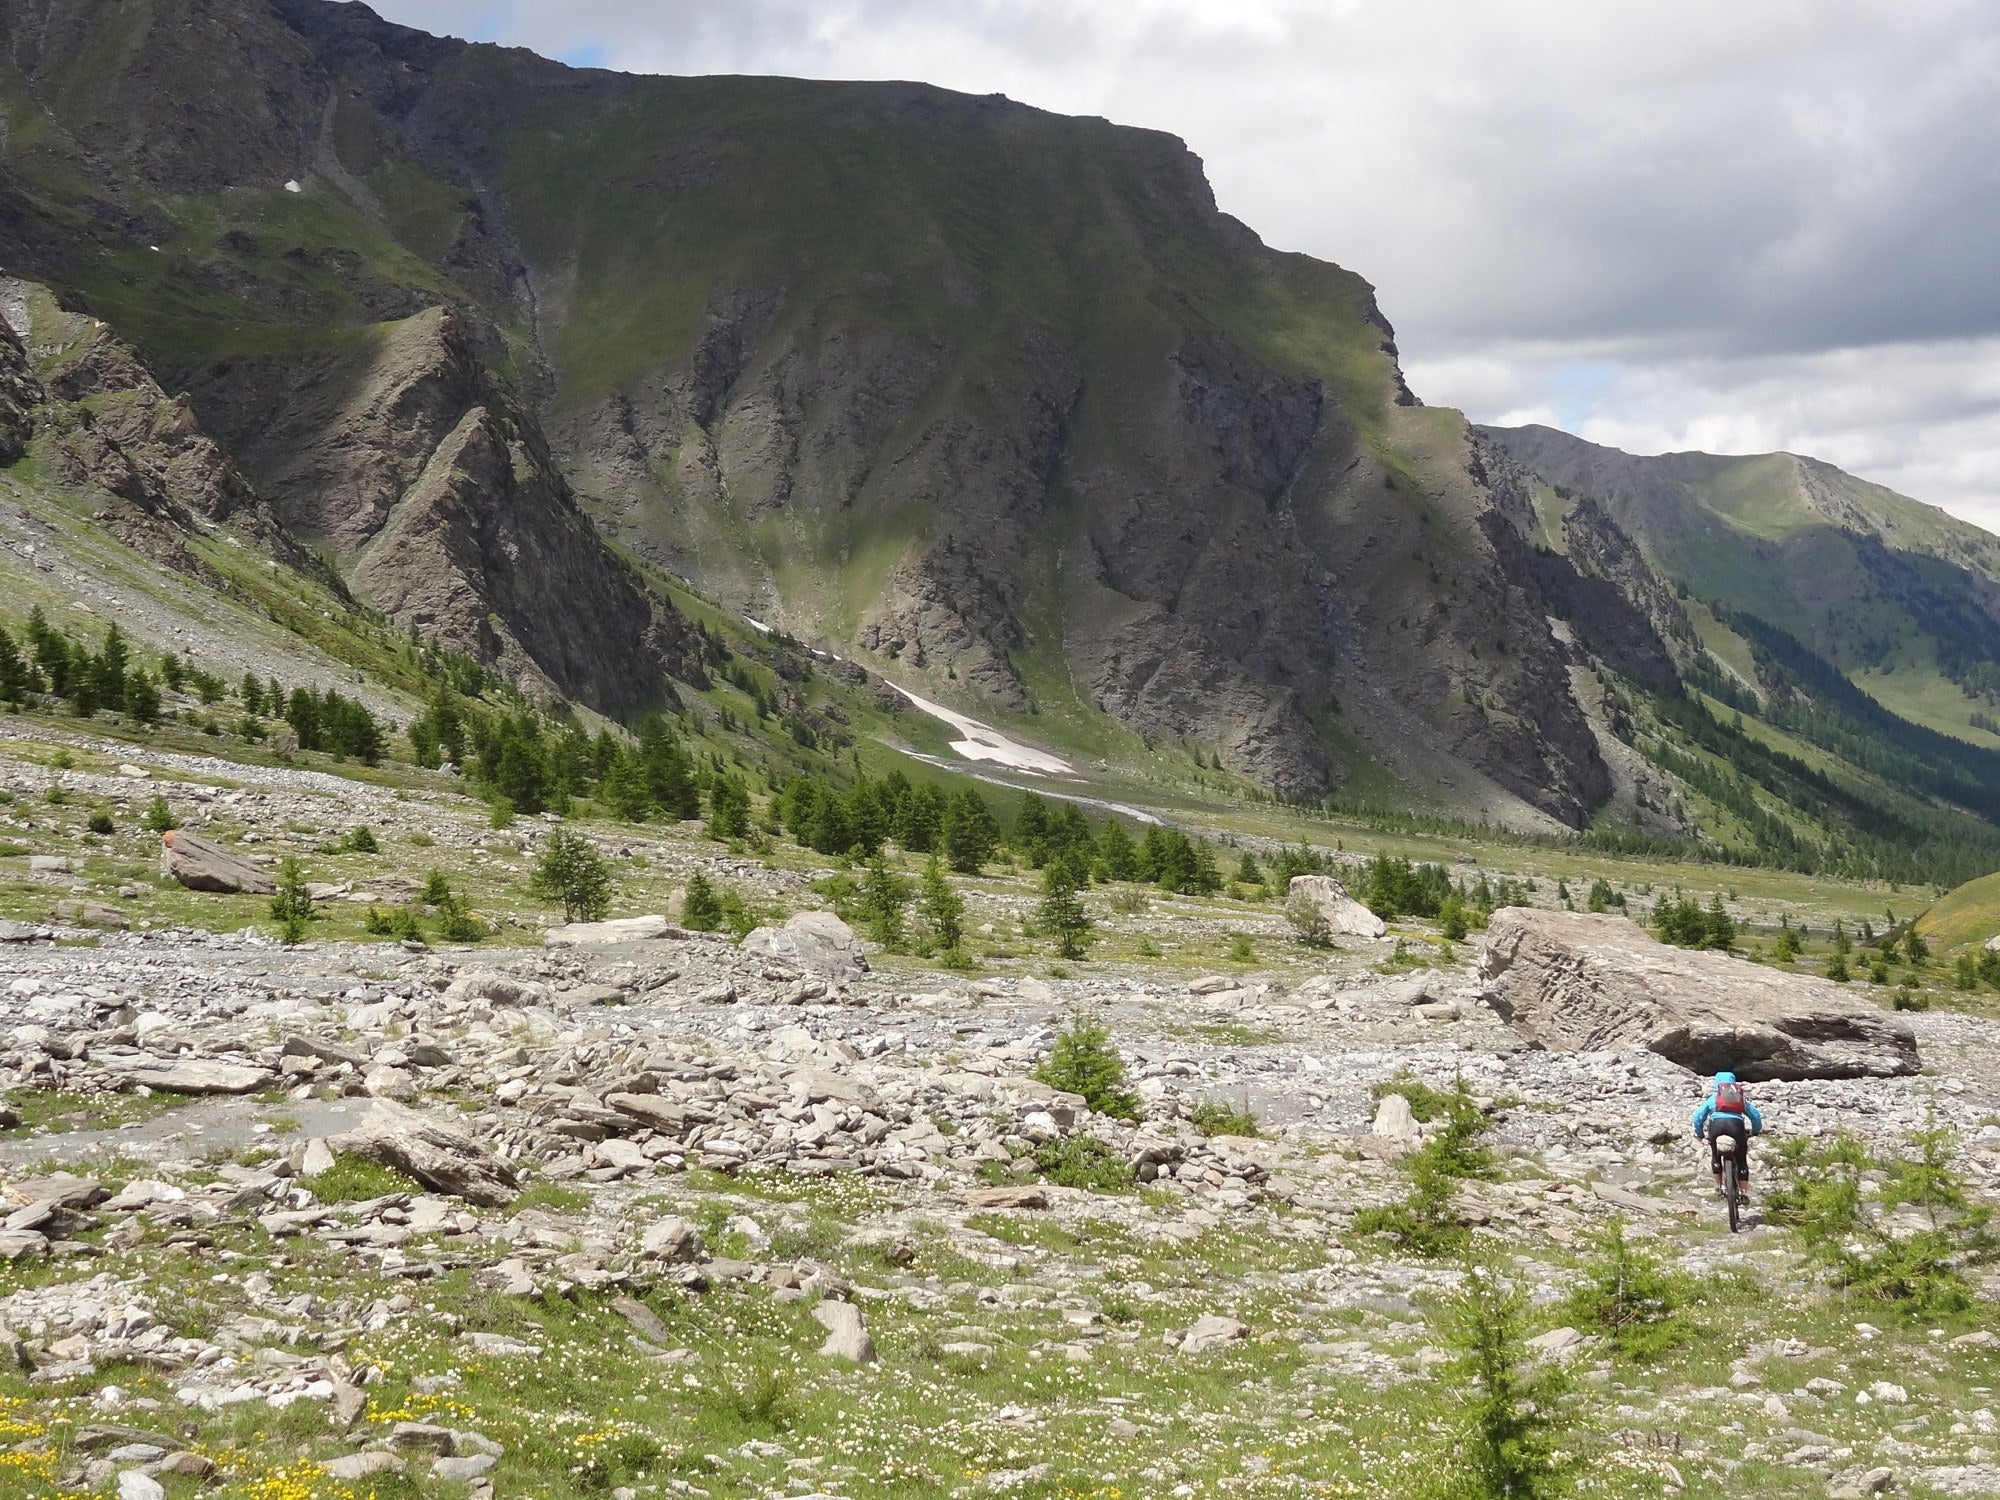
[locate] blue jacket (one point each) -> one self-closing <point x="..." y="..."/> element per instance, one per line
<point x="1707" y="1107"/>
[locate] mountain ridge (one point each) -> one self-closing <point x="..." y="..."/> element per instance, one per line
<point x="990" y="401"/>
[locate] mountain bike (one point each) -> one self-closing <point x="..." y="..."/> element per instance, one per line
<point x="1725" y="1147"/>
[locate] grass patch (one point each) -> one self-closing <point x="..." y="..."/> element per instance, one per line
<point x="353" y="1179"/>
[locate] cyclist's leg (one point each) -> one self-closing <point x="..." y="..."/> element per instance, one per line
<point x="1714" y="1154"/>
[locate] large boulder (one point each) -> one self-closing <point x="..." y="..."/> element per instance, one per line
<point x="1344" y="916"/>
<point x="1577" y="982"/>
<point x="202" y="866"/>
<point x="617" y="930"/>
<point x="441" y="1156"/>
<point x="813" y="940"/>
<point x="191" y="1075"/>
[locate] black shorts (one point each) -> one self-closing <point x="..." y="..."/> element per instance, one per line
<point x="1720" y="1125"/>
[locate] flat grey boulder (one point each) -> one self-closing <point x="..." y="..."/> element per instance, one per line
<point x="846" y="1332"/>
<point x="673" y="1239"/>
<point x="1344" y="916"/>
<point x="1212" y="1332"/>
<point x="439" y="1155"/>
<point x="201" y="866"/>
<point x="192" y="1075"/>
<point x="1577" y="982"/>
<point x="813" y="940"/>
<point x="498" y="989"/>
<point x="617" y="930"/>
<point x="23" y="932"/>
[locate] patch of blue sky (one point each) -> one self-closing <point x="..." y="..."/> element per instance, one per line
<point x="1577" y="388"/>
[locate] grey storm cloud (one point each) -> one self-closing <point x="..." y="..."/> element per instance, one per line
<point x="1666" y="225"/>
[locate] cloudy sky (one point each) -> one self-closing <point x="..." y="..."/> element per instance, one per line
<point x="1727" y="226"/>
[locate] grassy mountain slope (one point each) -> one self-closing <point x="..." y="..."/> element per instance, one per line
<point x="1968" y="915"/>
<point x="994" y="399"/>
<point x="1900" y="596"/>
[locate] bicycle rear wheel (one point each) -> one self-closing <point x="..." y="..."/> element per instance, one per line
<point x="1729" y="1192"/>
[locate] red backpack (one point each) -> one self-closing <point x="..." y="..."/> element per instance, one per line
<point x="1729" y="1098"/>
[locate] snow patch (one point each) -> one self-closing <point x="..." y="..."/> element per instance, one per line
<point x="983" y="742"/>
<point x="757" y="625"/>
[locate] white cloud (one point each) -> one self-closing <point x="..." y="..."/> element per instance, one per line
<point x="1920" y="417"/>
<point x="1768" y="224"/>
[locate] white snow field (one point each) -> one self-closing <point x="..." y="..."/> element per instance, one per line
<point x="983" y="742"/>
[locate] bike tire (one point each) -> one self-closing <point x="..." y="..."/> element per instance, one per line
<point x="1729" y="1192"/>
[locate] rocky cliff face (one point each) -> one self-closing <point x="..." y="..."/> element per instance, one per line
<point x="110" y="432"/>
<point x="996" y="401"/>
<point x="440" y="491"/>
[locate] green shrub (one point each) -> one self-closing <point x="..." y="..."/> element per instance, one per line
<point x="354" y="1179"/>
<point x="1818" y="1188"/>
<point x="1685" y="923"/>
<point x="1920" y="1275"/>
<point x="1082" y="1161"/>
<point x="1131" y="901"/>
<point x="1426" y="1103"/>
<point x="1308" y="925"/>
<point x="943" y="910"/>
<point x="572" y="872"/>
<point x="1240" y="951"/>
<point x="100" y="822"/>
<point x="458" y="925"/>
<point x="738" y="916"/>
<point x="1451" y="919"/>
<point x="292" y="906"/>
<point x="884" y="894"/>
<point x="1061" y="915"/>
<point x="1083" y="1061"/>
<point x="1630" y="1296"/>
<point x="375" y="922"/>
<point x="1426" y="1221"/>
<point x="701" y="908"/>
<point x="1212" y="1118"/>
<point x="159" y="816"/>
<point x="362" y="840"/>
<point x="1511" y="1418"/>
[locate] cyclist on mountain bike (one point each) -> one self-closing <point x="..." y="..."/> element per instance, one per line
<point x="1724" y="1112"/>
